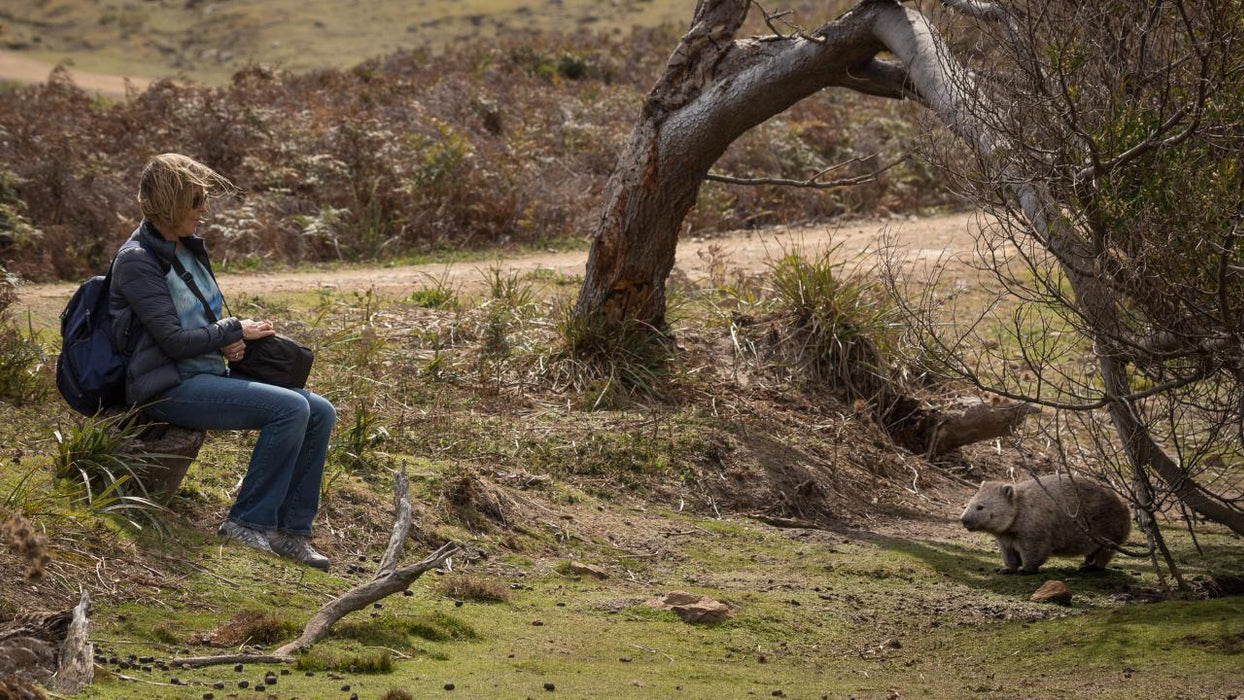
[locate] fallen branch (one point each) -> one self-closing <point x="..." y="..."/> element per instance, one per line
<point x="977" y="422"/>
<point x="364" y="595"/>
<point x="797" y="523"/>
<point x="389" y="580"/>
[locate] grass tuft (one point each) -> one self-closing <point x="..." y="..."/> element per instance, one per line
<point x="479" y="588"/>
<point x="610" y="361"/>
<point x="362" y="662"/>
<point x="838" y="326"/>
<point x="253" y="627"/>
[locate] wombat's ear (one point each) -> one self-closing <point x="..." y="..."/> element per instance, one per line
<point x="1008" y="491"/>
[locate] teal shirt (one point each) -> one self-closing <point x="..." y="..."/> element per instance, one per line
<point x="190" y="312"/>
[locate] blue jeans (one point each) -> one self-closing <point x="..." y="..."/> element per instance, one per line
<point x="281" y="490"/>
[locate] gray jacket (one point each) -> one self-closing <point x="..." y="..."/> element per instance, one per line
<point x="144" y="319"/>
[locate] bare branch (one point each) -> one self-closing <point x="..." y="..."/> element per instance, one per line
<point x="401" y="525"/>
<point x="812" y="182"/>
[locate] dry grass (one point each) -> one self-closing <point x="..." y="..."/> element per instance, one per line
<point x="471" y="587"/>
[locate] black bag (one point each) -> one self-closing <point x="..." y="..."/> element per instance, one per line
<point x="277" y="359"/>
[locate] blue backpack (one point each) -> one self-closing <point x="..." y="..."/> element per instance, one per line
<point x="90" y="372"/>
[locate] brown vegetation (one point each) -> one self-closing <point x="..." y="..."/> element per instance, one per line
<point x="481" y="145"/>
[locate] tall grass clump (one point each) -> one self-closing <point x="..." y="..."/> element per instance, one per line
<point x="609" y="361"/>
<point x="22" y="380"/>
<point x="101" y="462"/>
<point x="833" y="325"/>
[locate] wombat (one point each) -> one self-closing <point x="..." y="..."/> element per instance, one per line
<point x="1052" y="514"/>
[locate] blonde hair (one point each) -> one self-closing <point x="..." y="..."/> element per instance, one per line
<point x="170" y="185"/>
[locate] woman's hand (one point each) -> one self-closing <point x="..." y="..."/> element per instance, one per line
<point x="234" y="351"/>
<point x="254" y="330"/>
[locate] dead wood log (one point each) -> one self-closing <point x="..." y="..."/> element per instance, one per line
<point x="977" y="421"/>
<point x="389" y="580"/>
<point x="76" y="669"/>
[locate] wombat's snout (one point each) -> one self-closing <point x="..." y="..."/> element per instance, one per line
<point x="969" y="519"/>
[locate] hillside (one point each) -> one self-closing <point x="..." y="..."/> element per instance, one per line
<point x="208" y="41"/>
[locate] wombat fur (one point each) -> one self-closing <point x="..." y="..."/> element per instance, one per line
<point x="1030" y="520"/>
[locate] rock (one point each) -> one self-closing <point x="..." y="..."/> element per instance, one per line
<point x="582" y="569"/>
<point x="550" y="687"/>
<point x="691" y="607"/>
<point x="1052" y="592"/>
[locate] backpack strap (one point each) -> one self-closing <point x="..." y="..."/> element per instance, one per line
<point x="188" y="278"/>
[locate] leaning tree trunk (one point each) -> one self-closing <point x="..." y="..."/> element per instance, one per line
<point x="714" y="89"/>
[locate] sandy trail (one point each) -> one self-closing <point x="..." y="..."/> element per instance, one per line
<point x="21" y="69"/>
<point x="920" y="238"/>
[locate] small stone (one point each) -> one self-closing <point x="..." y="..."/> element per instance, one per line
<point x="778" y="693"/>
<point x="174" y="681"/>
<point x="238" y="667"/>
<point x="310" y="674"/>
<point x="625" y="659"/>
<point x="270" y="679"/>
<point x="587" y="570"/>
<point x="1052" y="592"/>
<point x="537" y="623"/>
<point x="208" y="696"/>
<point x="259" y="687"/>
<point x="354" y="696"/>
<point x="219" y="685"/>
<point x="550" y="687"/>
<point x="146" y="659"/>
<point x="457" y="603"/>
<point x="377" y="605"/>
<point x="244" y="684"/>
<point x="285" y="672"/>
<point x="345" y="688"/>
<point x="147" y="669"/>
<point x="449" y="686"/>
<point x="408" y="593"/>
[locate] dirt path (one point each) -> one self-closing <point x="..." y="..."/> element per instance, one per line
<point x="920" y="237"/>
<point x="21" y="69"/>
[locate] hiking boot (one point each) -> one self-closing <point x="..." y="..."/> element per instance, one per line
<point x="297" y="548"/>
<point x="250" y="537"/>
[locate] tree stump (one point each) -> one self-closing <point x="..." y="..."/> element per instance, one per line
<point x="167" y="451"/>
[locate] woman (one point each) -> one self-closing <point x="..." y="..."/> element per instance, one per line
<point x="178" y="368"/>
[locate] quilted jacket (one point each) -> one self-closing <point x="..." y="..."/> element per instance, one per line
<point x="145" y="320"/>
